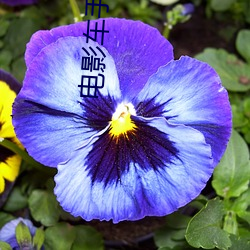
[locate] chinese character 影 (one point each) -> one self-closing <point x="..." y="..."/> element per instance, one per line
<point x="90" y="84"/>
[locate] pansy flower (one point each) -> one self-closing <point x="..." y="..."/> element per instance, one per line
<point x="18" y="2"/>
<point x="187" y="9"/>
<point x="9" y="161"/>
<point x="145" y="145"/>
<point x="8" y="232"/>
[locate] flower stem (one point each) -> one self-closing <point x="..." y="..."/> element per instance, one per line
<point x="14" y="148"/>
<point x="166" y="31"/>
<point x="76" y="11"/>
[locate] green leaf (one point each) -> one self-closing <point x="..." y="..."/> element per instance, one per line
<point x="23" y="235"/>
<point x="5" y="218"/>
<point x="44" y="207"/>
<point x="204" y="229"/>
<point x="68" y="217"/>
<point x="38" y="239"/>
<point x="5" y="246"/>
<point x="19" y="34"/>
<point x="231" y="176"/>
<point x="16" y="200"/>
<point x="5" y="58"/>
<point x="228" y="33"/>
<point x="198" y="203"/>
<point x="1" y="43"/>
<point x="177" y="220"/>
<point x="4" y="24"/>
<point x="61" y="236"/>
<point x="244" y="233"/>
<point x="33" y="180"/>
<point x="239" y="244"/>
<point x="221" y="5"/>
<point x="230" y="224"/>
<point x="87" y="238"/>
<point x="168" y="237"/>
<point x="245" y="215"/>
<point x="247" y="136"/>
<point x="35" y="14"/>
<point x="173" y="234"/>
<point x="242" y="202"/>
<point x="246" y="10"/>
<point x="239" y="119"/>
<point x="19" y="68"/>
<point x="242" y="44"/>
<point x="246" y="106"/>
<point x="55" y="8"/>
<point x="234" y="73"/>
<point x="241" y="205"/>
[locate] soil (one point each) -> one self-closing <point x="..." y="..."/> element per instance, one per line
<point x="128" y="234"/>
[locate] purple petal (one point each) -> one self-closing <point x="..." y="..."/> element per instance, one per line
<point x="188" y="9"/>
<point x="8" y="234"/>
<point x="10" y="80"/>
<point x="189" y="92"/>
<point x="49" y="116"/>
<point x="131" y="182"/>
<point x="18" y="2"/>
<point x="138" y="49"/>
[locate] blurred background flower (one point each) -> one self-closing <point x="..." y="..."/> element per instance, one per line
<point x="8" y="233"/>
<point x="9" y="161"/>
<point x="18" y="2"/>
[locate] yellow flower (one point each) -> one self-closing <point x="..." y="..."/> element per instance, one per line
<point x="9" y="161"/>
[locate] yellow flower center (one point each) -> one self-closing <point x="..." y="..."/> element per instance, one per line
<point x="121" y="122"/>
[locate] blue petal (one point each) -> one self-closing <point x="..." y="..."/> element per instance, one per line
<point x="49" y="116"/>
<point x="8" y="234"/>
<point x="54" y="75"/>
<point x="189" y="92"/>
<point x="137" y="49"/>
<point x="10" y="80"/>
<point x="133" y="183"/>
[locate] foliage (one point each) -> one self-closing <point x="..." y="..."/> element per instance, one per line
<point x="222" y="222"/>
<point x="235" y="76"/>
<point x="17" y="27"/>
<point x="238" y="10"/>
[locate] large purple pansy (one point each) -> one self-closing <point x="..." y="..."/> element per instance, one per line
<point x="146" y="145"/>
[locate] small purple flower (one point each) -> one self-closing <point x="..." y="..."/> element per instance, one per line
<point x="8" y="233"/>
<point x="188" y="9"/>
<point x="146" y="145"/>
<point x="18" y="2"/>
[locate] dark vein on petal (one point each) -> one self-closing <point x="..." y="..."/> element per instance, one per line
<point x="145" y="146"/>
<point x="151" y="108"/>
<point x="46" y="110"/>
<point x="101" y="114"/>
